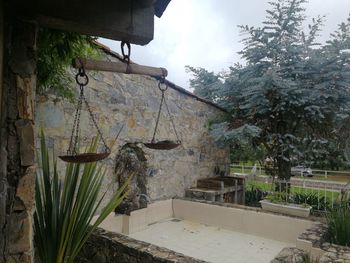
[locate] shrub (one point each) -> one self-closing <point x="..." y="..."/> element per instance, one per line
<point x="65" y="208"/>
<point x="279" y="197"/>
<point x="254" y="195"/>
<point x="338" y="221"/>
<point x="311" y="199"/>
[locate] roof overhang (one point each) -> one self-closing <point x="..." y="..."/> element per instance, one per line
<point x="128" y="20"/>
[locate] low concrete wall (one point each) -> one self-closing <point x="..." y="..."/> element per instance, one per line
<point x="254" y="222"/>
<point x="250" y="221"/>
<point x="139" y="219"/>
<point x="113" y="246"/>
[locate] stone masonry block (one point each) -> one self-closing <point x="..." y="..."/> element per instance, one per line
<point x="22" y="60"/>
<point x="25" y="96"/>
<point x="25" y="130"/>
<point x="20" y="233"/>
<point x="26" y="189"/>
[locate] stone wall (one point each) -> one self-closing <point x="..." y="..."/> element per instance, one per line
<point x="17" y="150"/>
<point x="106" y="247"/>
<point x="1" y="49"/>
<point x="133" y="101"/>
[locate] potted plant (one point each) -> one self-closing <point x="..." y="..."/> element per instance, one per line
<point x="278" y="202"/>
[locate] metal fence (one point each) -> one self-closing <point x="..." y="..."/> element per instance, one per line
<point x="260" y="170"/>
<point x="321" y="195"/>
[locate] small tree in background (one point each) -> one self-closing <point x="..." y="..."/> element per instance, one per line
<point x="205" y="84"/>
<point x="293" y="93"/>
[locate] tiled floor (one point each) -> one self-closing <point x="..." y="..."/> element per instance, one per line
<point x="210" y="243"/>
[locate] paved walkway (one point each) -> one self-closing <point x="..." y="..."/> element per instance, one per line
<point x="210" y="243"/>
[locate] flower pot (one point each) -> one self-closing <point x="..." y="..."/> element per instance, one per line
<point x="287" y="209"/>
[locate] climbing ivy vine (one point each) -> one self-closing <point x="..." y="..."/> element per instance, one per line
<point x="56" y="50"/>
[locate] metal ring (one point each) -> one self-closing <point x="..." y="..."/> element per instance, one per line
<point x="84" y="79"/>
<point x="160" y="86"/>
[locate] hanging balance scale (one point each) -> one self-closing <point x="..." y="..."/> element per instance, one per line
<point x="73" y="155"/>
<point x="125" y="67"/>
<point x="165" y="144"/>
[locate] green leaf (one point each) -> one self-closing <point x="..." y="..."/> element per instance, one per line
<point x="63" y="219"/>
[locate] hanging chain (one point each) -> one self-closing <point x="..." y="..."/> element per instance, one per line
<point x="172" y="122"/>
<point x="96" y="126"/>
<point x="163" y="100"/>
<point x="158" y="117"/>
<point x="82" y="80"/>
<point x="72" y="150"/>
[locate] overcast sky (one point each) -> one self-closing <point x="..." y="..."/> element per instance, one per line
<point x="204" y="33"/>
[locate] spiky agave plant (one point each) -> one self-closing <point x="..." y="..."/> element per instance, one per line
<point x="338" y="221"/>
<point x="65" y="208"/>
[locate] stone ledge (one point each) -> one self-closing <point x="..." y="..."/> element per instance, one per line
<point x="320" y="249"/>
<point x="104" y="247"/>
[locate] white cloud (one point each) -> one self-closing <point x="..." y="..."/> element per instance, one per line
<point x="204" y="33"/>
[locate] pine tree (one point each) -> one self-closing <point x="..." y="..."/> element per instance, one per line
<point x="292" y="93"/>
<point x="205" y="84"/>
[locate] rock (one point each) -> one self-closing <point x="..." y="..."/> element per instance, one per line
<point x="25" y="259"/>
<point x="25" y="130"/>
<point x="20" y="232"/>
<point x="25" y="96"/>
<point x="26" y="189"/>
<point x="290" y="255"/>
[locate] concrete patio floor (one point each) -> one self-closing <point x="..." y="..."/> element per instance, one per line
<point x="209" y="243"/>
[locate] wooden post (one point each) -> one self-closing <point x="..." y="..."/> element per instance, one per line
<point x="243" y="197"/>
<point x="236" y="192"/>
<point x="119" y="67"/>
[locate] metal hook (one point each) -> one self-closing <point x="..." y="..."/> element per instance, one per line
<point x="126" y="57"/>
<point x="162" y="80"/>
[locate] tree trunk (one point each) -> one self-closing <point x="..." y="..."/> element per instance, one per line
<point x="283" y="168"/>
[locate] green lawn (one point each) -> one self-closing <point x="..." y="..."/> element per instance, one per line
<point x="330" y="178"/>
<point x="294" y="189"/>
